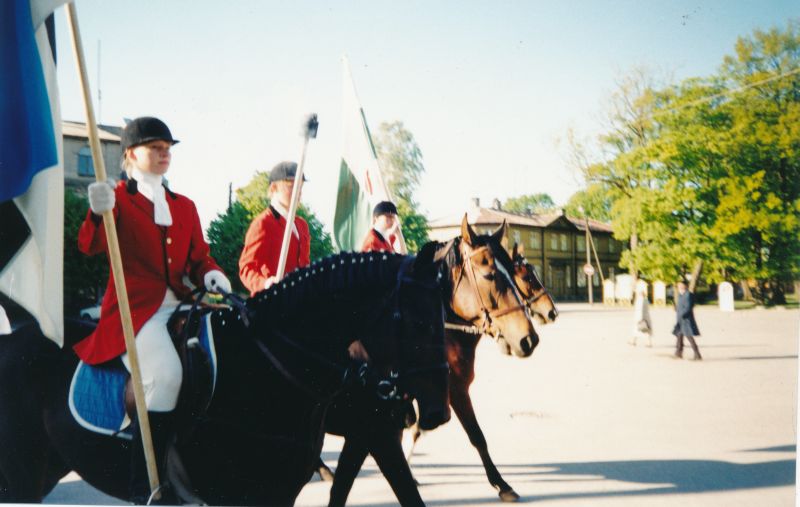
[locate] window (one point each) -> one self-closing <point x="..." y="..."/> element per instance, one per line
<point x="85" y="165"/>
<point x="535" y="242"/>
<point x="517" y="237"/>
<point x="564" y="242"/>
<point x="581" y="278"/>
<point x="569" y="275"/>
<point x="553" y="241"/>
<point x="612" y="245"/>
<point x="580" y="243"/>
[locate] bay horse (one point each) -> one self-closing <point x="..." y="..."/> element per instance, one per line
<point x="281" y="360"/>
<point x="477" y="269"/>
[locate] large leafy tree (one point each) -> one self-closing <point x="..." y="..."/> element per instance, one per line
<point x="226" y="232"/>
<point x="593" y="202"/>
<point x="402" y="167"/>
<point x="709" y="174"/>
<point x="530" y="203"/>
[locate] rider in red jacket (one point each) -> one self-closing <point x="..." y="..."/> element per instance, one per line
<point x="258" y="262"/>
<point x="382" y="236"/>
<point x="161" y="242"/>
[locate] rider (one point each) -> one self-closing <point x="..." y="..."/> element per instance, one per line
<point x="382" y="235"/>
<point x="161" y="241"/>
<point x="258" y="262"/>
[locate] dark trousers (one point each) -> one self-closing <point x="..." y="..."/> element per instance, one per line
<point x="679" y="345"/>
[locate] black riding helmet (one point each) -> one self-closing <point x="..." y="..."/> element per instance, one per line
<point x="145" y="129"/>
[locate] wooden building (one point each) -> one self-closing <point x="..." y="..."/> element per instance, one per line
<point x="555" y="244"/>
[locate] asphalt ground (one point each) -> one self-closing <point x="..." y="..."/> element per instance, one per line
<point x="591" y="420"/>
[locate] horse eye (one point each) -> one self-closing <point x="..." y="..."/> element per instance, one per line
<point x="485" y="261"/>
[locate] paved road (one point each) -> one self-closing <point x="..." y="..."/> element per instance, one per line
<point x="591" y="420"/>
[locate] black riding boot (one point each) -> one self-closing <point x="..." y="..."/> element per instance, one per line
<point x="161" y="429"/>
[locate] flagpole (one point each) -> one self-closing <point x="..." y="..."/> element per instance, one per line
<point x="114" y="256"/>
<point x="400" y="238"/>
<point x="310" y="132"/>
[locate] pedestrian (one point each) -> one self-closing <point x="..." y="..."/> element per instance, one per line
<point x="161" y="241"/>
<point x="685" y="324"/>
<point x="258" y="263"/>
<point x="642" y="325"/>
<point x="383" y="234"/>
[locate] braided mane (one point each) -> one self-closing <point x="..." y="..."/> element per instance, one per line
<point x="342" y="274"/>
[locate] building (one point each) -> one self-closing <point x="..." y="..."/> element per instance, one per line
<point x="78" y="166"/>
<point x="554" y="244"/>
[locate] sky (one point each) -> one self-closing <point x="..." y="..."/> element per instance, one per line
<point x="489" y="89"/>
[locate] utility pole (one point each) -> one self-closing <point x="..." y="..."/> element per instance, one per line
<point x="587" y="268"/>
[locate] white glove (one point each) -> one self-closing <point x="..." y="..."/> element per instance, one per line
<point x="101" y="196"/>
<point x="269" y="282"/>
<point x="216" y="281"/>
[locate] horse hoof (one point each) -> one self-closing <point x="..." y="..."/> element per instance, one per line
<point x="509" y="496"/>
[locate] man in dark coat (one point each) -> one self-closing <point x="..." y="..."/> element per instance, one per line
<point x="685" y="325"/>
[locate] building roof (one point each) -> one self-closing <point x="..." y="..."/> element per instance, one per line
<point x="77" y="129"/>
<point x="491" y="216"/>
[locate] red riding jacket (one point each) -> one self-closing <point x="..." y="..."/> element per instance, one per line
<point x="262" y="248"/>
<point x="154" y="257"/>
<point x="375" y="242"/>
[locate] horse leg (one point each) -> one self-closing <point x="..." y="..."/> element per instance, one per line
<point x="351" y="459"/>
<point x="387" y="450"/>
<point x="462" y="406"/>
<point x="325" y="473"/>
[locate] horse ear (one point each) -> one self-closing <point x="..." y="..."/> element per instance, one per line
<point x="425" y="256"/>
<point x="467" y="233"/>
<point x="519" y="251"/>
<point x="442" y="253"/>
<point x="500" y="234"/>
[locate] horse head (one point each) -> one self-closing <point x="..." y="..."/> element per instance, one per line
<point x="539" y="301"/>
<point x="484" y="293"/>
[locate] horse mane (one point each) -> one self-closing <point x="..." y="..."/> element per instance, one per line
<point x="336" y="275"/>
<point x="453" y="256"/>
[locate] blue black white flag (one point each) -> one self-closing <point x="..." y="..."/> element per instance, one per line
<point x="31" y="172"/>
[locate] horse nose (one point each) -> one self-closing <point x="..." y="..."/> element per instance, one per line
<point x="528" y="344"/>
<point x="551" y="316"/>
<point x="434" y="419"/>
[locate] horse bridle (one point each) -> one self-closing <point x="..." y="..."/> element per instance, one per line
<point x="534" y="298"/>
<point x="486" y="326"/>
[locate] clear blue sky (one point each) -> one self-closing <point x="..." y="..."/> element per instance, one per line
<point x="487" y="88"/>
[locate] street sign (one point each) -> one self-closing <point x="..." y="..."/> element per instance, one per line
<point x="588" y="269"/>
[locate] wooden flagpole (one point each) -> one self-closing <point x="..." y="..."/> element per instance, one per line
<point x="114" y="256"/>
<point x="310" y="132"/>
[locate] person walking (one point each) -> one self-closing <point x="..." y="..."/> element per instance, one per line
<point x="161" y="241"/>
<point x="642" y="324"/>
<point x="685" y="323"/>
<point x="258" y="262"/>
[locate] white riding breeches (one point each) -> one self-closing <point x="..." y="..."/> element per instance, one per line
<point x="159" y="363"/>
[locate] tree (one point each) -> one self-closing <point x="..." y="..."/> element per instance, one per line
<point x="226" y="232"/>
<point x="84" y="277"/>
<point x="402" y="167"/>
<point x="530" y="203"/>
<point x="594" y="202"/>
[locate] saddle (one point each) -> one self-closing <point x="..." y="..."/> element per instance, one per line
<point x="101" y="396"/>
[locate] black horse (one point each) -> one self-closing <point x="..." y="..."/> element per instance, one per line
<point x="480" y="295"/>
<point x="258" y="440"/>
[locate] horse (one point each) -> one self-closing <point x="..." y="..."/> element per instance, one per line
<point x="477" y="269"/>
<point x="282" y="358"/>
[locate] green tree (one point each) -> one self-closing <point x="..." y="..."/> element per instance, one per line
<point x="530" y="203"/>
<point x="84" y="277"/>
<point x="593" y="201"/>
<point x="226" y="232"/>
<point x="402" y="167"/>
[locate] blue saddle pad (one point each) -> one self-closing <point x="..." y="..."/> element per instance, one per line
<point x="97" y="393"/>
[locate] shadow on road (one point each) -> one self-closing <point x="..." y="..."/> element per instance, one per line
<point x="666" y="476"/>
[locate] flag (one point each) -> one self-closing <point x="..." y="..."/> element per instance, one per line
<point x="31" y="172"/>
<point x="361" y="184"/>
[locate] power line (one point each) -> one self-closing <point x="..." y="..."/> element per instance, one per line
<point x="726" y="92"/>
